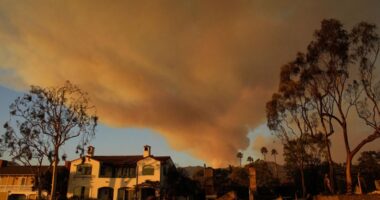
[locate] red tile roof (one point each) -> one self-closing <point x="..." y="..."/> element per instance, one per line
<point x="126" y="160"/>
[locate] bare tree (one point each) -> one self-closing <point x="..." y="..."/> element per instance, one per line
<point x="55" y="115"/>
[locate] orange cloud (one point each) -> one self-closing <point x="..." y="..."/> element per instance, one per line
<point x="197" y="72"/>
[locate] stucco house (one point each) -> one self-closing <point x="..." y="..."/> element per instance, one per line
<point x="15" y="181"/>
<point x="18" y="182"/>
<point x="118" y="177"/>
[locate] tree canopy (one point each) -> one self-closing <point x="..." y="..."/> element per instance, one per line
<point x="44" y="119"/>
<point x="320" y="89"/>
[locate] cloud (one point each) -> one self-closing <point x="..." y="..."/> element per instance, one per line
<point x="197" y="72"/>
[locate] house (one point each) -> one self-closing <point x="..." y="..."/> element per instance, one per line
<point x="119" y="177"/>
<point x="18" y="182"/>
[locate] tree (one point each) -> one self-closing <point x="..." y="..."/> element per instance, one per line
<point x="340" y="55"/>
<point x="239" y="181"/>
<point x="264" y="151"/>
<point x="325" y="77"/>
<point x="279" y="118"/>
<point x="55" y="115"/>
<point x="264" y="177"/>
<point x="291" y="114"/>
<point x="30" y="149"/>
<point x="180" y="184"/>
<point x="300" y="155"/>
<point x="369" y="168"/>
<point x="274" y="154"/>
<point x="239" y="176"/>
<point x="328" y="56"/>
<point x="249" y="159"/>
<point x="239" y="155"/>
<point x="365" y="47"/>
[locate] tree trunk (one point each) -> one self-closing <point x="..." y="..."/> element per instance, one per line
<point x="303" y="184"/>
<point x="348" y="174"/>
<point x="275" y="162"/>
<point x="39" y="186"/>
<point x="54" y="176"/>
<point x="331" y="166"/>
<point x="332" y="178"/>
<point x="303" y="181"/>
<point x="349" y="156"/>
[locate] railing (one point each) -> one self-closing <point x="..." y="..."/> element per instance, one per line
<point x="16" y="188"/>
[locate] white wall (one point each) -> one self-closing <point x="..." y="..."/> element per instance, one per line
<point x="93" y="182"/>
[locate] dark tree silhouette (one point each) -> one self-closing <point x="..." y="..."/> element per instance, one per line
<point x="47" y="118"/>
<point x="338" y="55"/>
<point x="249" y="159"/>
<point x="274" y="154"/>
<point x="239" y="155"/>
<point x="29" y="149"/>
<point x="369" y="168"/>
<point x="264" y="151"/>
<point x="324" y="83"/>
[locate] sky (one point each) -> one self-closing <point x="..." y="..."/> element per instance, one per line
<point x="189" y="78"/>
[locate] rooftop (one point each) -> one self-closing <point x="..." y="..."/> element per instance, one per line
<point x="126" y="160"/>
<point x="24" y="169"/>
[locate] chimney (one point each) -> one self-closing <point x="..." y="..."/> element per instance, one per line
<point x="146" y="151"/>
<point x="68" y="165"/>
<point x="90" y="151"/>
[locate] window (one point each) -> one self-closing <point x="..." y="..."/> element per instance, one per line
<point x="125" y="193"/>
<point x="15" y="180"/>
<point x="148" y="170"/>
<point x="84" y="169"/>
<point x="23" y="181"/>
<point x="132" y="172"/>
<point x="107" y="171"/>
<point x="124" y="172"/>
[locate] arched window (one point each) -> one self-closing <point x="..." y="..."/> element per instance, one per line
<point x="105" y="193"/>
<point x="148" y="170"/>
<point x="81" y="192"/>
